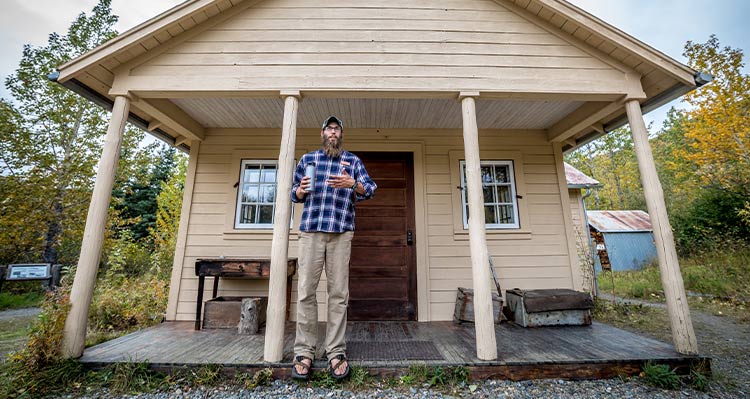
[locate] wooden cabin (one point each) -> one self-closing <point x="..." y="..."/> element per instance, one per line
<point x="458" y="107"/>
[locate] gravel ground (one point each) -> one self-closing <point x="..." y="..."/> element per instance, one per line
<point x="632" y="389"/>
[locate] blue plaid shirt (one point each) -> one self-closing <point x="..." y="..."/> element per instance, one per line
<point x="329" y="209"/>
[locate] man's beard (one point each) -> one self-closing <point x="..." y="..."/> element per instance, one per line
<point x="333" y="150"/>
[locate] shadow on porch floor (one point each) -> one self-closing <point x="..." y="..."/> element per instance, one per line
<point x="390" y="348"/>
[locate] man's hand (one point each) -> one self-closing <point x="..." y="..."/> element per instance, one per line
<point x="341" y="181"/>
<point x="304" y="186"/>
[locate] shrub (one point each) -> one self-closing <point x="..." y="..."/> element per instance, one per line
<point x="121" y="304"/>
<point x="661" y="376"/>
<point x="46" y="334"/>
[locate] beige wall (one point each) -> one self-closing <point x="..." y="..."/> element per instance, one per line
<point x="535" y="256"/>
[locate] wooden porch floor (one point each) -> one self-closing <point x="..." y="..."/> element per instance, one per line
<point x="596" y="351"/>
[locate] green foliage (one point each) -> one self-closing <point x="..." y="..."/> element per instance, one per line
<point x="16" y="381"/>
<point x="121" y="304"/>
<point x="136" y="199"/>
<point x="9" y="300"/>
<point x="132" y="377"/>
<point x="661" y="376"/>
<point x="164" y="234"/>
<point x="52" y="146"/>
<point x="359" y="377"/>
<point x="206" y="375"/>
<point x="702" y="157"/>
<point x="46" y="335"/>
<point x="698" y="380"/>
<point x="720" y="273"/>
<point x="324" y="379"/>
<point x="713" y="221"/>
<point x="126" y="257"/>
<point x="250" y="381"/>
<point x="611" y="160"/>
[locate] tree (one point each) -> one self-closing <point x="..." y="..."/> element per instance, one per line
<point x="136" y="198"/>
<point x="164" y="231"/>
<point x="611" y="160"/>
<point x="51" y="144"/>
<point x="718" y="126"/>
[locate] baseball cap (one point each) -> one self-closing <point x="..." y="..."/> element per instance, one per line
<point x="330" y="119"/>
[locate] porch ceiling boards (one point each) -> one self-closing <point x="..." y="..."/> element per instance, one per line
<point x="596" y="351"/>
<point x="375" y="113"/>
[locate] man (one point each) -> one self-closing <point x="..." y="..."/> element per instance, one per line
<point x="326" y="232"/>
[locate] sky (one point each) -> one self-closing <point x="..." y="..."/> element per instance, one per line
<point x="663" y="24"/>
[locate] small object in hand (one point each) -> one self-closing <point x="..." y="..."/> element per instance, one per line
<point x="310" y="172"/>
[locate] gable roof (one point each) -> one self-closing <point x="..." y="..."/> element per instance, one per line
<point x="619" y="221"/>
<point x="92" y="74"/>
<point x="578" y="179"/>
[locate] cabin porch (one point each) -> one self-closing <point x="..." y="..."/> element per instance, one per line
<point x="390" y="348"/>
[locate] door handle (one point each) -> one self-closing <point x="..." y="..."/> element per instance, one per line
<point x="409" y="237"/>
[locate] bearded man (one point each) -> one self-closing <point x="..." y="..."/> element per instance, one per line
<point x="337" y="179"/>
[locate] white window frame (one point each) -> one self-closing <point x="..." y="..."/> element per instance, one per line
<point x="497" y="203"/>
<point x="240" y="190"/>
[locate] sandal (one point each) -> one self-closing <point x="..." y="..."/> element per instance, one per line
<point x="341" y="358"/>
<point x="298" y="361"/>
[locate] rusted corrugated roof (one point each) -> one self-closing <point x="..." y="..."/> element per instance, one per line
<point x="578" y="179"/>
<point x="619" y="221"/>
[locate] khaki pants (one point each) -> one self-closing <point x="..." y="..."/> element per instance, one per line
<point x="316" y="250"/>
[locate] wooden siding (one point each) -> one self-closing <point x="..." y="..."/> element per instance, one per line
<point x="536" y="259"/>
<point x="385" y="45"/>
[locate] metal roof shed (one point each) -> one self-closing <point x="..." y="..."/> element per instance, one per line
<point x="624" y="239"/>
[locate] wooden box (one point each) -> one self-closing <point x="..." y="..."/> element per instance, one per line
<point x="224" y="311"/>
<point x="553" y="307"/>
<point x="464" y="311"/>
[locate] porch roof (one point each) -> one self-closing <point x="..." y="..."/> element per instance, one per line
<point x="662" y="78"/>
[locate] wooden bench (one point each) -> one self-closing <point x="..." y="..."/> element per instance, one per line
<point x="237" y="268"/>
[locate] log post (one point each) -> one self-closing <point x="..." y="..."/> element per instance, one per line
<point x="74" y="339"/>
<point x="483" y="319"/>
<point x="683" y="335"/>
<point x="276" y="311"/>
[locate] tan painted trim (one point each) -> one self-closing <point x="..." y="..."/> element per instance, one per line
<point x="420" y="210"/>
<point x="185" y="36"/>
<point x="385" y="87"/>
<point x="233" y="176"/>
<point x="134" y="36"/>
<point x="621" y="39"/>
<point x="182" y="231"/>
<point x="559" y="33"/>
<point x="581" y="119"/>
<point x="461" y="234"/>
<point x="575" y="267"/>
<point x="172" y="116"/>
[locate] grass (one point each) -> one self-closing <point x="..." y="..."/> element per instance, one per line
<point x="13" y="334"/>
<point x="719" y="278"/>
<point x="10" y="300"/>
<point x="634" y="317"/>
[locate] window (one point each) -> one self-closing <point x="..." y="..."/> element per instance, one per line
<point x="499" y="189"/>
<point x="256" y="194"/>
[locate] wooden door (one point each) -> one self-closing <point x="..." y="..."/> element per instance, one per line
<point x="382" y="277"/>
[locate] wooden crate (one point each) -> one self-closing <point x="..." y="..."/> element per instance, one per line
<point x="553" y="307"/>
<point x="464" y="311"/>
<point x="224" y="311"/>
